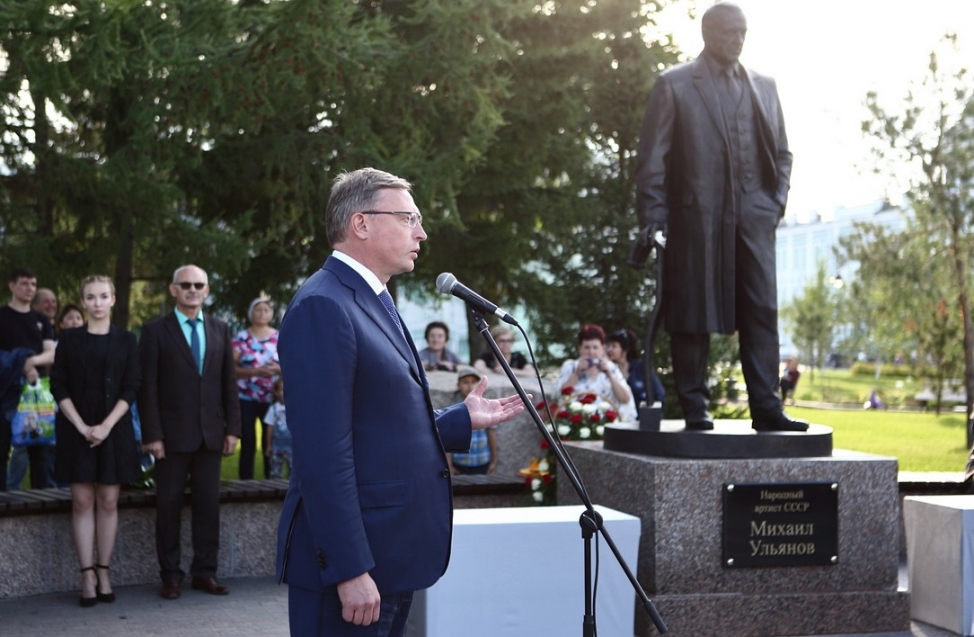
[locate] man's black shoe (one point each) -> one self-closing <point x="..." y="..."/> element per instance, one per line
<point x="780" y="422"/>
<point x="704" y="424"/>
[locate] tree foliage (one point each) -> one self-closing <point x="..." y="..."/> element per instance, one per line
<point x="142" y="135"/>
<point x="546" y="218"/>
<point x="811" y="317"/>
<point x="138" y="136"/>
<point x="900" y="301"/>
<point x="932" y="137"/>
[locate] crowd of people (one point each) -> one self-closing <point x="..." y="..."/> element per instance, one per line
<point x="124" y="403"/>
<point x="181" y="396"/>
<point x="609" y="365"/>
<point x="188" y="391"/>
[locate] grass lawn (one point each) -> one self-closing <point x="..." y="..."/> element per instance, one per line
<point x="230" y="469"/>
<point x="841" y="386"/>
<point x="921" y="441"/>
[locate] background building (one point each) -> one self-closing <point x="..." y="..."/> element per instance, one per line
<point x="801" y="246"/>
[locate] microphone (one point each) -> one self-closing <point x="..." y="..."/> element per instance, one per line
<point x="448" y="284"/>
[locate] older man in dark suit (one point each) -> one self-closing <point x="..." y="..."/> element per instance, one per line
<point x="190" y="419"/>
<point x="368" y="515"/>
<point x="713" y="174"/>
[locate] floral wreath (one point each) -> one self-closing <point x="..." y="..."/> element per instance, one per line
<point x="581" y="416"/>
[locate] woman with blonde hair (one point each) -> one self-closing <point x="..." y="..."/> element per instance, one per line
<point x="94" y="379"/>
<point x="504" y="337"/>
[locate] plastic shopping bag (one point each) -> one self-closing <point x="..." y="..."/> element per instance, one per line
<point x="33" y="424"/>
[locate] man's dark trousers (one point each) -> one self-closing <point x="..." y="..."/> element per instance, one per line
<point x="171" y="473"/>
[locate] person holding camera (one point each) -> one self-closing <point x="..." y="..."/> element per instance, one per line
<point x="594" y="372"/>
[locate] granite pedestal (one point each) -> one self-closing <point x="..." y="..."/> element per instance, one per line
<point x="680" y="561"/>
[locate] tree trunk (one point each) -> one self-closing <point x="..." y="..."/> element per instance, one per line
<point x="116" y="140"/>
<point x="123" y="271"/>
<point x="42" y="165"/>
<point x="965" y="310"/>
<point x="474" y="339"/>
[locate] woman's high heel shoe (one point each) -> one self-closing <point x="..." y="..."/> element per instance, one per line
<point x="88" y="602"/>
<point x="106" y="598"/>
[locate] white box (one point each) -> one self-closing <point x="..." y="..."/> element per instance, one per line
<point x="940" y="560"/>
<point x="520" y="571"/>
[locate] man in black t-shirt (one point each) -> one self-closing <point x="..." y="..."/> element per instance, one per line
<point x="40" y="458"/>
<point x="22" y="327"/>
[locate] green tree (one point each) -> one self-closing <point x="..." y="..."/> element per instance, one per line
<point x="208" y="130"/>
<point x="546" y="218"/>
<point x="133" y="105"/>
<point x="933" y="138"/>
<point x="811" y="319"/>
<point x="899" y="300"/>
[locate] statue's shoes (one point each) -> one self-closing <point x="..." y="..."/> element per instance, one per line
<point x="780" y="422"/>
<point x="703" y="424"/>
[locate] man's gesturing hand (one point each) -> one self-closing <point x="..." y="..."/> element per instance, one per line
<point x="487" y="412"/>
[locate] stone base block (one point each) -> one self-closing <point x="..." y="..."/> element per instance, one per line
<point x="940" y="539"/>
<point x="730" y="615"/>
<point x="42" y="558"/>
<point x="681" y="566"/>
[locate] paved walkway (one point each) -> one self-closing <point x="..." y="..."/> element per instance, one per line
<point x="255" y="607"/>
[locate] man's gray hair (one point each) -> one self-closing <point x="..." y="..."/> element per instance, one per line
<point x="716" y="13"/>
<point x="175" y="274"/>
<point x="353" y="192"/>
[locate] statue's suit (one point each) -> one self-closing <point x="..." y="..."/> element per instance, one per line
<point x="721" y="221"/>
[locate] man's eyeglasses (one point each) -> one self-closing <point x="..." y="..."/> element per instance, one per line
<point x="185" y="285"/>
<point x="505" y="340"/>
<point x="413" y="219"/>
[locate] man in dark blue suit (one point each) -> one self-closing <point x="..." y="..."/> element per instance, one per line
<point x="369" y="512"/>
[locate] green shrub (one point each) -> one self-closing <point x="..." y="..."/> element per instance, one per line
<point x="890" y="371"/>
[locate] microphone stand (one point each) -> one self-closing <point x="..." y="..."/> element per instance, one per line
<point x="591" y="520"/>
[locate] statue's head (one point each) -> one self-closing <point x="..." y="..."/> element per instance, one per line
<point x="724" y="28"/>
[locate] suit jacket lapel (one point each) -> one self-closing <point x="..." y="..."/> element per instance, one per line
<point x="418" y="369"/>
<point x="176" y="333"/>
<point x="210" y="342"/>
<point x="769" y="145"/>
<point x="704" y="82"/>
<point x="369" y="303"/>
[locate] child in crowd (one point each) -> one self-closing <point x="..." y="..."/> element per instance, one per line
<point x="482" y="456"/>
<point x="278" y="435"/>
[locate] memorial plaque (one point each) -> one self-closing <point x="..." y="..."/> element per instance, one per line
<point x="786" y="524"/>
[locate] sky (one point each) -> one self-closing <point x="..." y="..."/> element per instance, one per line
<point x="825" y="56"/>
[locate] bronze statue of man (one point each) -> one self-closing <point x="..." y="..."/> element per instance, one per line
<point x="712" y="174"/>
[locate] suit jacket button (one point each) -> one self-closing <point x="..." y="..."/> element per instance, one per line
<point x="445" y="473"/>
<point x="322" y="562"/>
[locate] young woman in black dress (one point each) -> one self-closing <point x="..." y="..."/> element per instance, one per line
<point x="94" y="379"/>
